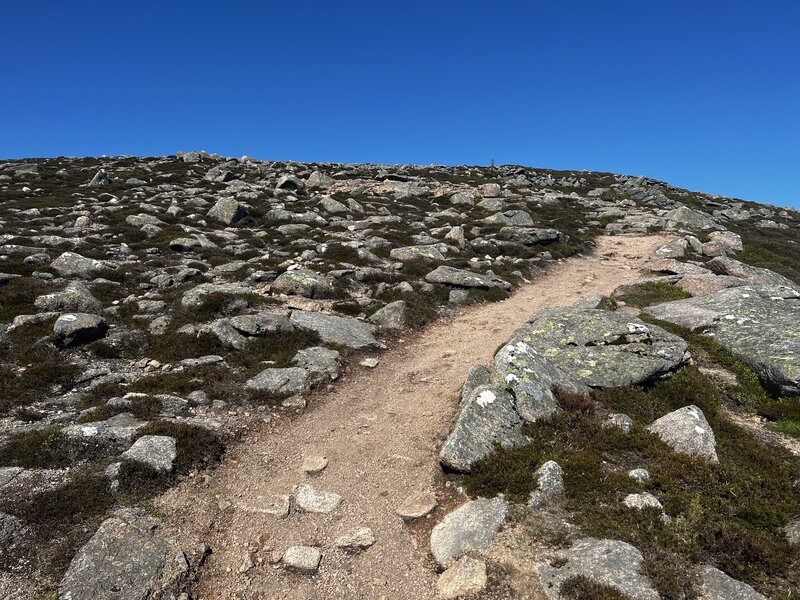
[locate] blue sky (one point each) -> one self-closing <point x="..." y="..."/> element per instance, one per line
<point x="705" y="95"/>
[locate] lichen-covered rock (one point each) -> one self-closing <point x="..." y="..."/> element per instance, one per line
<point x="428" y="252"/>
<point x="595" y="348"/>
<point x="391" y="317"/>
<point x="347" y="332"/>
<point x="478" y="375"/>
<point x="75" y="297"/>
<point x="549" y="484"/>
<point x="609" y="562"/>
<point x="530" y="236"/>
<point x="757" y="276"/>
<point x="472" y="526"/>
<point x="757" y="324"/>
<point x="686" y="430"/>
<point x="302" y="282"/>
<point x="321" y="363"/>
<point x="198" y="295"/>
<point x="487" y="417"/>
<point x="123" y="559"/>
<point x="693" y="219"/>
<point x="716" y="585"/>
<point x="462" y="278"/>
<point x="72" y="329"/>
<point x="71" y="264"/>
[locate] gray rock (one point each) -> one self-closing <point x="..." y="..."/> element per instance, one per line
<point x="227" y="211"/>
<point x="466" y="577"/>
<point x="303" y="282"/>
<point x="100" y="178"/>
<point x="309" y="500"/>
<point x="686" y="430"/>
<point x="417" y="506"/>
<point x="318" y="179"/>
<point x="757" y="324"/>
<point x="608" y="562"/>
<point x="530" y="236"/>
<point x="279" y="382"/>
<point x="639" y="474"/>
<point x="350" y="333"/>
<point x="792" y="531"/>
<point x="550" y="484"/>
<point x="428" y="252"/>
<point x="723" y="265"/>
<point x="196" y="296"/>
<point x="357" y="540"/>
<point x="321" y="363"/>
<point x="158" y="451"/>
<point x="510" y="218"/>
<point x="621" y="421"/>
<point x="70" y="264"/>
<point x="260" y="324"/>
<point x="693" y="219"/>
<point x="123" y="559"/>
<point x="472" y="526"/>
<point x="227" y="334"/>
<point x="597" y="348"/>
<point x="478" y="375"/>
<point x="462" y="199"/>
<point x="462" y="278"/>
<point x="732" y="241"/>
<point x="716" y="585"/>
<point x="72" y="329"/>
<point x="334" y="207"/>
<point x="674" y="249"/>
<point x="12" y="531"/>
<point x="486" y="417"/>
<point x="305" y="559"/>
<point x="391" y="317"/>
<point x="75" y="297"/>
<point x="640" y="501"/>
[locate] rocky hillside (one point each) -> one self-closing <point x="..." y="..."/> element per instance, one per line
<point x="151" y="309"/>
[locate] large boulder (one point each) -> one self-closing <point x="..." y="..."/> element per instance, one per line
<point x="462" y="278"/>
<point x="71" y="264"/>
<point x="302" y="282"/>
<point x="578" y="349"/>
<point x="227" y="211"/>
<point x="72" y="329"/>
<point x="344" y="331"/>
<point x="686" y="430"/>
<point x="123" y="559"/>
<point x="487" y="417"/>
<point x="472" y="526"/>
<point x="757" y="324"/>
<point x="758" y="276"/>
<point x="693" y="219"/>
<point x="608" y="562"/>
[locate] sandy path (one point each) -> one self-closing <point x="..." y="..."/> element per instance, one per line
<point x="381" y="430"/>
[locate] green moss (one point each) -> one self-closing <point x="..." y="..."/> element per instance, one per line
<point x="653" y="292"/>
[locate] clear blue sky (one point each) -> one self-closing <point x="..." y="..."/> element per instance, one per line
<point x="703" y="94"/>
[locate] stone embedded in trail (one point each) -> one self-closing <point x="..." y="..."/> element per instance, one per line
<point x="462" y="278"/>
<point x="302" y="558"/>
<point x="686" y="430"/>
<point x="716" y="585"/>
<point x="472" y="526"/>
<point x="158" y="451"/>
<point x="464" y="578"/>
<point x="347" y="332"/>
<point x="279" y="381"/>
<point x="314" y="464"/>
<point x="309" y="500"/>
<point x="123" y="559"/>
<point x="71" y="264"/>
<point x="72" y="329"/>
<point x="608" y="562"/>
<point x="227" y="211"/>
<point x="757" y="324"/>
<point x="357" y="540"/>
<point x="302" y="282"/>
<point x="417" y="506"/>
<point x="487" y="417"/>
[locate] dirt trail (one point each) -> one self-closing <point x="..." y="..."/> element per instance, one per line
<point x="381" y="430"/>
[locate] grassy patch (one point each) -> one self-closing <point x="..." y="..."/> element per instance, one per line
<point x="17" y="296"/>
<point x="653" y="292"/>
<point x="580" y="587"/>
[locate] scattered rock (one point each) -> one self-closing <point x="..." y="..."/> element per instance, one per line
<point x="158" y="451"/>
<point x="716" y="585"/>
<point x="417" y="506"/>
<point x="470" y="527"/>
<point x="464" y="578"/>
<point x="686" y="430"/>
<point x="310" y="500"/>
<point x="357" y="540"/>
<point x="305" y="559"/>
